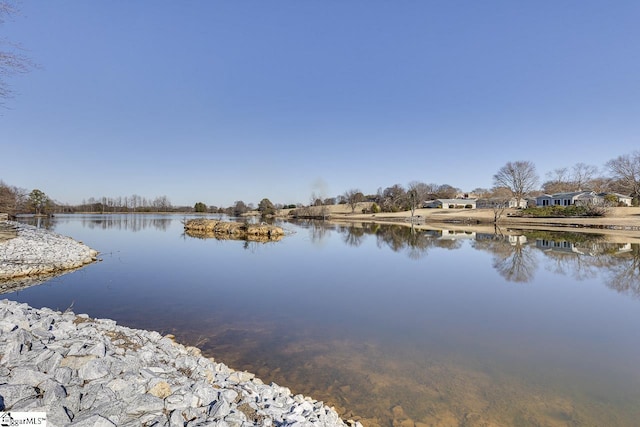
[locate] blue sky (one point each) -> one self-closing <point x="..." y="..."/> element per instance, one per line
<point x="217" y="101"/>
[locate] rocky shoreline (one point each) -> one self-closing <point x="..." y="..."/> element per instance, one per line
<point x="34" y="252"/>
<point x="93" y="372"/>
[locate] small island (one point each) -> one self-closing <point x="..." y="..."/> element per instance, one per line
<point x="218" y="229"/>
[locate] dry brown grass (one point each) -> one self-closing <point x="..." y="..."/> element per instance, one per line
<point x="232" y="230"/>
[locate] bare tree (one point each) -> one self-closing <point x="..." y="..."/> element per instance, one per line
<point x="12" y="199"/>
<point x="600" y="184"/>
<point x="557" y="181"/>
<point x="393" y="198"/>
<point x="499" y="206"/>
<point x="626" y="170"/>
<point x="416" y="195"/>
<point x="432" y="190"/>
<point x="481" y="193"/>
<point x="12" y="62"/>
<point x="317" y="207"/>
<point x="161" y="203"/>
<point x="353" y="197"/>
<point x="446" y="191"/>
<point x="582" y="175"/>
<point x="520" y="177"/>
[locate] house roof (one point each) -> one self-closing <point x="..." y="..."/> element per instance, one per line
<point x="569" y="195"/>
<point x="461" y="201"/>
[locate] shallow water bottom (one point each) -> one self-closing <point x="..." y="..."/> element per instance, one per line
<point x="383" y="385"/>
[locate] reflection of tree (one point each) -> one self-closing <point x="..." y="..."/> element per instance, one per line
<point x="133" y="222"/>
<point x="520" y="266"/>
<point x="624" y="272"/>
<point x="585" y="256"/>
<point x="39" y="222"/>
<point x="578" y="266"/>
<point x="515" y="261"/>
<point x="400" y="238"/>
<point x="318" y="230"/>
<point x="354" y="236"/>
<point x="450" y="244"/>
<point x="415" y="243"/>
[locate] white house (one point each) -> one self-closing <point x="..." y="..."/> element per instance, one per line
<point x="450" y="204"/>
<point x="496" y="201"/>
<point x="580" y="198"/>
<point x="568" y="199"/>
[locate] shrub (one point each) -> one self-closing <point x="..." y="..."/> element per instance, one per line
<point x="200" y="207"/>
<point x="557" y="211"/>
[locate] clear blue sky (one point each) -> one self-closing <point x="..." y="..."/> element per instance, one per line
<point x="217" y="101"/>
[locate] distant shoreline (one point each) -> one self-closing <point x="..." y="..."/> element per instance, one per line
<point x="621" y="221"/>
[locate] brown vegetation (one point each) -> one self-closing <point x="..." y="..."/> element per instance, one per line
<point x="232" y="230"/>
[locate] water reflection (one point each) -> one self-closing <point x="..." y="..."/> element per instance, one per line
<point x="624" y="272"/>
<point x="319" y="231"/>
<point x="403" y="326"/>
<point x="515" y="252"/>
<point x="254" y="238"/>
<point x="513" y="258"/>
<point x="410" y="240"/>
<point x="123" y="222"/>
<point x="46" y="222"/>
<point x="131" y="222"/>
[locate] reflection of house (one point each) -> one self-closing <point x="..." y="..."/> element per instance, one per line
<point x="517" y="240"/>
<point x="591" y="249"/>
<point x="512" y="239"/>
<point x="497" y="202"/>
<point x="457" y="235"/>
<point x="561" y="246"/>
<point x="450" y="204"/>
<point x="580" y="198"/>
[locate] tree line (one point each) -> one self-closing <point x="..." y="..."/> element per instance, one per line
<point x="16" y="200"/>
<point x="517" y="179"/>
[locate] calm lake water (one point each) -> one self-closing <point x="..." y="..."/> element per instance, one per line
<point x="385" y="324"/>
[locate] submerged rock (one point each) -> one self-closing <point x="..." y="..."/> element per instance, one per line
<point x="93" y="374"/>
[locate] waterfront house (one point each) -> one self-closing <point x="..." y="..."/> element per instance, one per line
<point x="493" y="202"/>
<point x="580" y="198"/>
<point x="450" y="204"/>
<point x="568" y="199"/>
